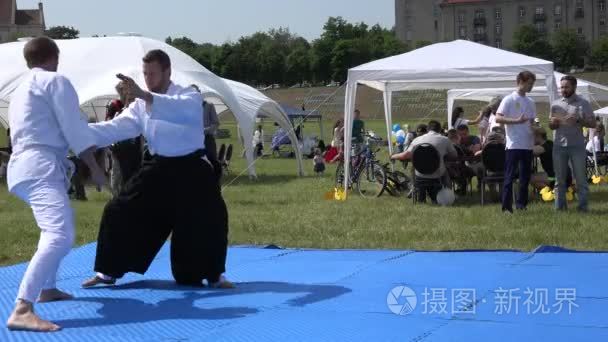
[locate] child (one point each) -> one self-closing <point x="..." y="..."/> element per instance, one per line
<point x="318" y="162"/>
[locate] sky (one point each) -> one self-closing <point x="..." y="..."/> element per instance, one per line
<point x="207" y="20"/>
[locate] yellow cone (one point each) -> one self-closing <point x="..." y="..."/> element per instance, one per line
<point x="596" y="179"/>
<point x="339" y="195"/>
<point x="569" y="196"/>
<point x="545" y="190"/>
<point x="548" y="196"/>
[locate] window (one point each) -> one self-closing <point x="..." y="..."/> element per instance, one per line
<point x="436" y="25"/>
<point x="498" y="29"/>
<point x="522" y="11"/>
<point x="462" y="32"/>
<point x="498" y="14"/>
<point x="539" y="10"/>
<point x="461" y="17"/>
<point x="540" y="26"/>
<point x="557" y="10"/>
<point x="480" y="30"/>
<point x="558" y="25"/>
<point x="602" y="22"/>
<point x="579" y="31"/>
<point x="579" y="4"/>
<point x="479" y="14"/>
<point x="498" y="43"/>
<point x="602" y="5"/>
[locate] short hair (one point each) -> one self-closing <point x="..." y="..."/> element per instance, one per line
<point x="357" y="111"/>
<point x="452" y="133"/>
<point x="525" y="76"/>
<point x="570" y="79"/>
<point x="158" y="56"/>
<point x="434" y="126"/>
<point x="457" y="110"/>
<point x="495" y="103"/>
<point x="39" y="51"/>
<point x="195" y="87"/>
<point x="421" y="129"/>
<point x="462" y="127"/>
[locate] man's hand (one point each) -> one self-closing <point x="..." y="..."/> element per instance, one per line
<point x="521" y="119"/>
<point x="97" y="175"/>
<point x="571" y="120"/>
<point x="134" y="91"/>
<point x="554" y="123"/>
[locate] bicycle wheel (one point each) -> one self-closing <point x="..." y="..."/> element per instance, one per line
<point x="371" y="181"/>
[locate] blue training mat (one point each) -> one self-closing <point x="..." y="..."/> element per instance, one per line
<point x="346" y="295"/>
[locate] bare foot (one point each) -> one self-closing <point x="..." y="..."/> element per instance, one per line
<point x="223" y="283"/>
<point x="53" y="295"/>
<point x="96" y="280"/>
<point x="24" y="318"/>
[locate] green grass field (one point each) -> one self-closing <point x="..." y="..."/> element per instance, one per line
<point x="281" y="208"/>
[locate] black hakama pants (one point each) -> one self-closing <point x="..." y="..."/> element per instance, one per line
<point x="179" y="196"/>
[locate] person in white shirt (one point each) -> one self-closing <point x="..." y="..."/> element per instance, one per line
<point x="258" y="141"/>
<point x="176" y="192"/>
<point x="517" y="112"/>
<point x="595" y="143"/>
<point x="45" y="121"/>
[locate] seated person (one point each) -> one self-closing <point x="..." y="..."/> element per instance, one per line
<point x="445" y="149"/>
<point x="470" y="143"/>
<point x="457" y="170"/>
<point x="280" y="137"/>
<point x="543" y="150"/>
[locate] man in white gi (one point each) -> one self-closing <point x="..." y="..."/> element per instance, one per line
<point x="45" y="121"/>
<point x="175" y="192"/>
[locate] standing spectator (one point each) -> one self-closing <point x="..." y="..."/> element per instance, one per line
<point x="358" y="128"/>
<point x="258" y="141"/>
<point x="568" y="117"/>
<point x="517" y="112"/>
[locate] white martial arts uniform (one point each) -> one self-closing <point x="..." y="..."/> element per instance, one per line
<point x="45" y="122"/>
<point x="173" y="126"/>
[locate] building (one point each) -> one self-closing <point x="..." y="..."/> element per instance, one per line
<point x="493" y="22"/>
<point x="15" y="23"/>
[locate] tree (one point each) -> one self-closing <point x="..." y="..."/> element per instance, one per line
<point x="62" y="32"/>
<point x="569" y="49"/>
<point x="528" y="41"/>
<point x="599" y="53"/>
<point x="421" y="43"/>
<point x="349" y="53"/>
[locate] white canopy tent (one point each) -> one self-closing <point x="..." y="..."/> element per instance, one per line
<point x="441" y="66"/>
<point x="602" y="112"/>
<point x="92" y="63"/>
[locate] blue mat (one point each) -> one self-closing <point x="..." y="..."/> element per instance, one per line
<point x="313" y="295"/>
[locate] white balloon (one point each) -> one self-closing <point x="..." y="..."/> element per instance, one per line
<point x="446" y="197"/>
<point x="400" y="133"/>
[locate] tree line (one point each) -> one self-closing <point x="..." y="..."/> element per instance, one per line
<point x="279" y="56"/>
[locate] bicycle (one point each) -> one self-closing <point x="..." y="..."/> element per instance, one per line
<point x="397" y="182"/>
<point x="366" y="171"/>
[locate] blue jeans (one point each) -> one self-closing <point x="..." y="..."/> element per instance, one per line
<point x="515" y="159"/>
<point x="576" y="157"/>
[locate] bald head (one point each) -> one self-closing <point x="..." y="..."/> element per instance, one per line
<point x="41" y="52"/>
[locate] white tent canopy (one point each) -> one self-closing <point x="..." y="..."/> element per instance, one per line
<point x="602" y="112"/>
<point x="92" y="63"/>
<point x="445" y="66"/>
